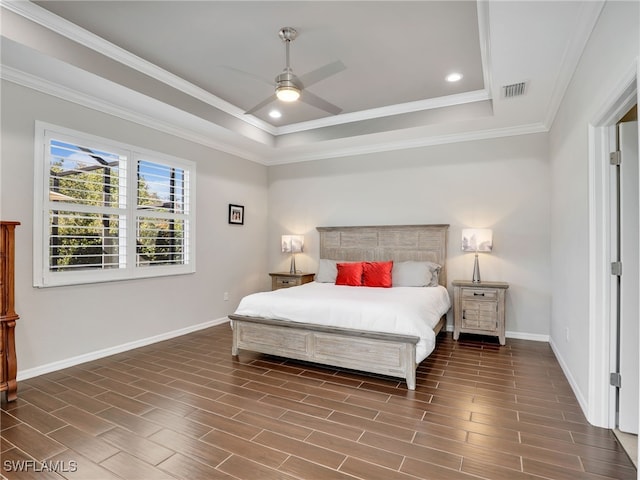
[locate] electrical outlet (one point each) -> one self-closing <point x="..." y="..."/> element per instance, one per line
<point x="566" y="334"/>
<point x="225" y="297"/>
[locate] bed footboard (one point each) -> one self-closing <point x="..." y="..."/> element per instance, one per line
<point x="383" y="353"/>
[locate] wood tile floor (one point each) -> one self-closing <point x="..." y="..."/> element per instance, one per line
<point x="184" y="408"/>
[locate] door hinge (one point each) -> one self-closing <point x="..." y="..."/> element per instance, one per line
<point x="615" y="158"/>
<point x="616" y="268"/>
<point x="615" y="380"/>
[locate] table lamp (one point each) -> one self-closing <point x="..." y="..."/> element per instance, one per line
<point x="292" y="244"/>
<point x="477" y="240"/>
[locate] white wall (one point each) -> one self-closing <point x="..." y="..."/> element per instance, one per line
<point x="503" y="184"/>
<point x="610" y="55"/>
<point x="60" y="323"/>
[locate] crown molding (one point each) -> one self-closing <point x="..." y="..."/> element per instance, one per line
<point x="368" y="147"/>
<point x="589" y="14"/>
<point x="73" y="32"/>
<point x="381" y="112"/>
<point x="484" y="30"/>
<point x="173" y="128"/>
<point x="267" y="157"/>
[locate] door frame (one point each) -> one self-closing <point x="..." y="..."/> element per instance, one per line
<point x="602" y="331"/>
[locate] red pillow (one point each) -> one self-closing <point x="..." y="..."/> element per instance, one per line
<point x="349" y="274"/>
<point x="377" y="274"/>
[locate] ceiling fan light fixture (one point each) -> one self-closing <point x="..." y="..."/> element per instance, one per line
<point x="288" y="93"/>
<point x="288" y="87"/>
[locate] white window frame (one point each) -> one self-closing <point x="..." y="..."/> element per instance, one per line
<point x="42" y="275"/>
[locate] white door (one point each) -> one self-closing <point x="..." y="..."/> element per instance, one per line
<point x="629" y="393"/>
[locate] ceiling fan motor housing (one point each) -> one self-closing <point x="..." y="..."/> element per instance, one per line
<point x="288" y="87"/>
<point x="288" y="79"/>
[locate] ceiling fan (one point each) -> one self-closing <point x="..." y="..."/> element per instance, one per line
<point x="289" y="87"/>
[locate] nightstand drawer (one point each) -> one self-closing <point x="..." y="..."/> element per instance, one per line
<point x="479" y="293"/>
<point x="287" y="282"/>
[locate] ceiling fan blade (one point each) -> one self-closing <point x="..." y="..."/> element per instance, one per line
<point x="321" y="73"/>
<point x="316" y="101"/>
<point x="247" y="74"/>
<point x="263" y="103"/>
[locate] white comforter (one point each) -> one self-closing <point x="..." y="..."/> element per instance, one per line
<point x="403" y="310"/>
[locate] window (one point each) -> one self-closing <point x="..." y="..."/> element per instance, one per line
<point x="108" y="211"/>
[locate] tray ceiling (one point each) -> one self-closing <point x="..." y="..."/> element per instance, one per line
<point x="198" y="66"/>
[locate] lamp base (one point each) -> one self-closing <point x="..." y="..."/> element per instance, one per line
<point x="292" y="268"/>
<point x="476" y="271"/>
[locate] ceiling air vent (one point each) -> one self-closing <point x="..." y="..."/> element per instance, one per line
<point x="513" y="90"/>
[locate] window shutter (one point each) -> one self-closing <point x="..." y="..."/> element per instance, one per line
<point x="162" y="214"/>
<point x="109" y="211"/>
<point x="86" y="193"/>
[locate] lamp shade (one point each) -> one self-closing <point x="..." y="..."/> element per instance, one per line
<point x="292" y="243"/>
<point x="477" y="240"/>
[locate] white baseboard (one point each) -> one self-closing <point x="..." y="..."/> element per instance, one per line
<point x="536" y="337"/>
<point x="87" y="357"/>
<point x="584" y="405"/>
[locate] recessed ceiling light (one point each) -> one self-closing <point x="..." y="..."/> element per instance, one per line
<point x="275" y="114"/>
<point x="453" y="77"/>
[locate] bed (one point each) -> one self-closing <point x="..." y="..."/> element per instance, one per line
<point x="328" y="334"/>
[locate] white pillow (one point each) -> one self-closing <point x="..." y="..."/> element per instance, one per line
<point x="415" y="274"/>
<point x="327" y="271"/>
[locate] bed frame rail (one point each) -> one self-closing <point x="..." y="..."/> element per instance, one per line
<point x="388" y="354"/>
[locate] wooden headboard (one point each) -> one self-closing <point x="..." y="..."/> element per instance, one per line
<point x="387" y="242"/>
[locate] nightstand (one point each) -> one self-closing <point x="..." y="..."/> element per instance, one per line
<point x="479" y="308"/>
<point x="285" y="280"/>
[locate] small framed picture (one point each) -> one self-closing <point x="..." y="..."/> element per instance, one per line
<point x="236" y="214"/>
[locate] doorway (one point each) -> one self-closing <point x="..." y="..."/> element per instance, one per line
<point x="625" y="281"/>
<point x="602" y="404"/>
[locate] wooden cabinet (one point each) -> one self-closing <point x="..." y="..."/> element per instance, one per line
<point x="8" y="316"/>
<point x="479" y="308"/>
<point x="286" y="280"/>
